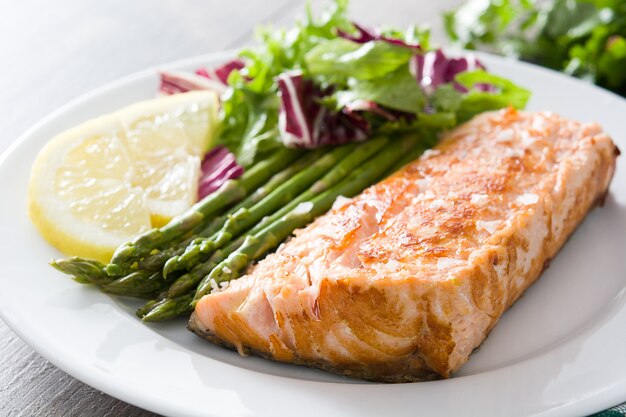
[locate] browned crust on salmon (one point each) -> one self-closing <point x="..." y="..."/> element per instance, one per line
<point x="403" y="282"/>
<point x="399" y="376"/>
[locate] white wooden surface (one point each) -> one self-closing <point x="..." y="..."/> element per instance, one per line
<point x="54" y="51"/>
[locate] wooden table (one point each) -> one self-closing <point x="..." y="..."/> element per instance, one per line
<point x="54" y="51"/>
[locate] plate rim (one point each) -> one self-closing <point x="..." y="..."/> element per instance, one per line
<point x="154" y="403"/>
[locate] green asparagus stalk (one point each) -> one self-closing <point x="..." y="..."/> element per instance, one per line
<point x="245" y="218"/>
<point x="145" y="309"/>
<point x="277" y="180"/>
<point x="191" y="279"/>
<point x="427" y="139"/>
<point x="196" y="252"/>
<point x="155" y="261"/>
<point x="127" y="256"/>
<point x="411" y="155"/>
<point x="139" y="284"/>
<point x="83" y="270"/>
<point x="158" y="258"/>
<point x="346" y="166"/>
<point x="135" y="284"/>
<point x="257" y="245"/>
<point x="170" y="264"/>
<point x="169" y="308"/>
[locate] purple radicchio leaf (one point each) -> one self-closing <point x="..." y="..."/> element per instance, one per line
<point x="218" y="166"/>
<point x="214" y="79"/>
<point x="181" y="82"/>
<point x="220" y="74"/>
<point x="305" y="123"/>
<point x="365" y="35"/>
<point x="433" y="69"/>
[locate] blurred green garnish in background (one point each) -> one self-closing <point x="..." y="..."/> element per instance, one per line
<point x="583" y="38"/>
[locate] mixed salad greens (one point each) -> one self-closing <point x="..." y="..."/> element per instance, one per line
<point x="319" y="111"/>
<point x="583" y="38"/>
<point x="329" y="81"/>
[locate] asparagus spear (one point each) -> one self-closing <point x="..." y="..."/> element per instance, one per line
<point x="191" y="279"/>
<point x="83" y="270"/>
<point x="245" y="218"/>
<point x="257" y="245"/>
<point x="183" y="286"/>
<point x="144" y="283"/>
<point x="158" y="257"/>
<point x="145" y="309"/>
<point x="169" y="308"/>
<point x="277" y="180"/>
<point x="196" y="252"/>
<point x="409" y="157"/>
<point x="413" y="153"/>
<point x="128" y="255"/>
<point x="89" y="271"/>
<point x="155" y="261"/>
<point x="140" y="284"/>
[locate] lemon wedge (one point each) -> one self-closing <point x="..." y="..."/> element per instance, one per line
<point x="100" y="184"/>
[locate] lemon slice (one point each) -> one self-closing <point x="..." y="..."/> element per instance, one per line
<point x="102" y="183"/>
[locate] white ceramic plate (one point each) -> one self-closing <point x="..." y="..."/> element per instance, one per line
<point x="561" y="349"/>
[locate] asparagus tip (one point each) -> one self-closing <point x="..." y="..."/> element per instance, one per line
<point x="114" y="270"/>
<point x="170" y="266"/>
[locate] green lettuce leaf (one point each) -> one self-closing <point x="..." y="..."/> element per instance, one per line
<point x="446" y="99"/>
<point x="397" y="91"/>
<point x="474" y="101"/>
<point x="339" y="58"/>
<point x="249" y="120"/>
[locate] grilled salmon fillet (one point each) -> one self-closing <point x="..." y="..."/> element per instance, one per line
<point x="404" y="281"/>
